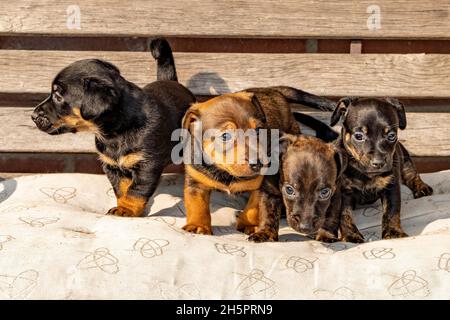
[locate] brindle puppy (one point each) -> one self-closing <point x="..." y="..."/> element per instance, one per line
<point x="378" y="163"/>
<point x="262" y="108"/>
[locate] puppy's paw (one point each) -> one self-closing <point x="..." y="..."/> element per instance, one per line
<point x="263" y="236"/>
<point x="423" y="190"/>
<point x="393" y="233"/>
<point x="121" y="212"/>
<point x="325" y="236"/>
<point x="354" y="237"/>
<point x="247" y="229"/>
<point x="198" y="229"/>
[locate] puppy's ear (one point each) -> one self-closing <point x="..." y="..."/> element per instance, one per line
<point x="285" y="140"/>
<point x="257" y="104"/>
<point x="400" y="111"/>
<point x="192" y="115"/>
<point x="341" y="108"/>
<point x="99" y="96"/>
<point x="341" y="161"/>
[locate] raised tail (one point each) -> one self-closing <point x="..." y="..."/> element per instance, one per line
<point x="306" y="98"/>
<point x="162" y="53"/>
<point x="323" y="131"/>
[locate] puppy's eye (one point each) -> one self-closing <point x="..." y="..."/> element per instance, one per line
<point x="290" y="191"/>
<point x="226" y="136"/>
<point x="359" y="136"/>
<point x="325" y="194"/>
<point x="57" y="97"/>
<point x="392" y="136"/>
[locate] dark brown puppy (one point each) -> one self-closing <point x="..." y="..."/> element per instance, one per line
<point x="261" y="108"/>
<point x="310" y="183"/>
<point x="132" y="125"/>
<point x="309" y="189"/>
<point x="377" y="163"/>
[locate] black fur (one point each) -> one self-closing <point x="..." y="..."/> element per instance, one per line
<point x="125" y="118"/>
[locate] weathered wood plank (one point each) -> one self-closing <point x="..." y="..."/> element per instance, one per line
<point x="409" y="75"/>
<point x="427" y="134"/>
<point x="19" y="134"/>
<point x="236" y="18"/>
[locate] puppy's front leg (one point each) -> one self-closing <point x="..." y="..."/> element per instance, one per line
<point x="328" y="231"/>
<point x="391" y="201"/>
<point x="349" y="231"/>
<point x="270" y="207"/>
<point x="248" y="220"/>
<point x="133" y="191"/>
<point x="411" y="177"/>
<point x="196" y="201"/>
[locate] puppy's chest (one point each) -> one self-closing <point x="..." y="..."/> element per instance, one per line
<point x="117" y="157"/>
<point x="367" y="185"/>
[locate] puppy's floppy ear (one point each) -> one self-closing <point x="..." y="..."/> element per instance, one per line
<point x="192" y="115"/>
<point x="341" y="161"/>
<point x="99" y="96"/>
<point x="341" y="108"/>
<point x="400" y="111"/>
<point x="285" y="140"/>
<point x="257" y="104"/>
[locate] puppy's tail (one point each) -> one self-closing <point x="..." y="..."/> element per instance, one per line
<point x="323" y="131"/>
<point x="308" y="99"/>
<point x="162" y="53"/>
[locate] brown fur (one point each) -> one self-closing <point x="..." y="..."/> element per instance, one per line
<point x="235" y="111"/>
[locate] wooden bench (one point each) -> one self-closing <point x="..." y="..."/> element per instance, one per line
<point x="335" y="48"/>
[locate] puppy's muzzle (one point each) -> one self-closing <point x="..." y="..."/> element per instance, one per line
<point x="256" y="167"/>
<point x="377" y="163"/>
<point x="41" y="121"/>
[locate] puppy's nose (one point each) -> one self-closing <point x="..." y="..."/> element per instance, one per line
<point x="256" y="166"/>
<point x="377" y="163"/>
<point x="305" y="226"/>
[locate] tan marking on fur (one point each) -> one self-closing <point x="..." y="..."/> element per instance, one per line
<point x="107" y="160"/>
<point x="76" y="121"/>
<point x="381" y="182"/>
<point x="250" y="216"/>
<point x="135" y="204"/>
<point x="349" y="147"/>
<point x="198" y="216"/>
<point x="127" y="161"/>
<point x="232" y="161"/>
<point x="131" y="159"/>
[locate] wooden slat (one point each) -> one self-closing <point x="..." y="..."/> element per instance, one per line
<point x="235" y="18"/>
<point x="412" y="75"/>
<point x="19" y="134"/>
<point x="427" y="134"/>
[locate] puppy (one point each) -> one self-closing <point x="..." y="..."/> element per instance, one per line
<point x="132" y="125"/>
<point x="377" y="162"/>
<point x="259" y="108"/>
<point x="307" y="188"/>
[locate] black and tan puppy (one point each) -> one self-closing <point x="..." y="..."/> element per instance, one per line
<point x="132" y="125"/>
<point x="252" y="109"/>
<point x="377" y="162"/>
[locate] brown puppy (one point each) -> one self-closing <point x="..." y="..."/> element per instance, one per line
<point x="377" y="163"/>
<point x="261" y="108"/>
<point x="309" y="186"/>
